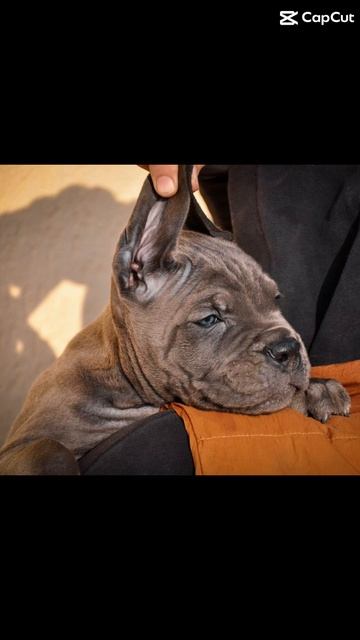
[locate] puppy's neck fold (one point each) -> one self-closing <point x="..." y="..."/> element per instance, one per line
<point x="130" y="368"/>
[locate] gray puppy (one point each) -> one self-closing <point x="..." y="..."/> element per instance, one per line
<point x="191" y="318"/>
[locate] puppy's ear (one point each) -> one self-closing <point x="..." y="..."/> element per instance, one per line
<point x="148" y="242"/>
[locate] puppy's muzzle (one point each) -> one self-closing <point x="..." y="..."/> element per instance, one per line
<point x="284" y="353"/>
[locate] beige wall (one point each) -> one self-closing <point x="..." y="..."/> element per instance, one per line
<point x="59" y="226"/>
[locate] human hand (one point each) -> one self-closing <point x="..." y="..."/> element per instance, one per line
<point x="165" y="177"/>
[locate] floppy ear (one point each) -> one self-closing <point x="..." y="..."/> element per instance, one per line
<point x="149" y="241"/>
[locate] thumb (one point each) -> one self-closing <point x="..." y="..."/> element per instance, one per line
<point x="165" y="178"/>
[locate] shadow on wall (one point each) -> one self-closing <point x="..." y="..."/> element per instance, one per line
<point x="55" y="254"/>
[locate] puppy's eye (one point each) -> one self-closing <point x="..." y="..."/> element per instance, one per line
<point x="278" y="296"/>
<point x="209" y="321"/>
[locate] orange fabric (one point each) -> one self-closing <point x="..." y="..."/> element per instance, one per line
<point x="281" y="443"/>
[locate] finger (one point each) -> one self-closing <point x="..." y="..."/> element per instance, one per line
<point x="165" y="178"/>
<point x="155" y="170"/>
<point x="194" y="179"/>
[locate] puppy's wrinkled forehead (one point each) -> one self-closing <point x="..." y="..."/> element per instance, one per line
<point x="228" y="265"/>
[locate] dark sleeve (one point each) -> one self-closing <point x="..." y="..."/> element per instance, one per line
<point x="158" y="445"/>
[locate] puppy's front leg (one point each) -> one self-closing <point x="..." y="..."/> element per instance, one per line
<point x="322" y="399"/>
<point x="38" y="458"/>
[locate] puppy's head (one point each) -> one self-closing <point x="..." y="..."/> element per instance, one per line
<point x="199" y="319"/>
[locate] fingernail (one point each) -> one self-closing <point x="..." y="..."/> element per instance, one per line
<point x="165" y="186"/>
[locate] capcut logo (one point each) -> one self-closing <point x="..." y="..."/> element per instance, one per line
<point x="287" y="18"/>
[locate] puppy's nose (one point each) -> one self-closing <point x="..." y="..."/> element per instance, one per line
<point x="283" y="351"/>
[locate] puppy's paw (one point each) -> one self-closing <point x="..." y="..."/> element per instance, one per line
<point x="325" y="398"/>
